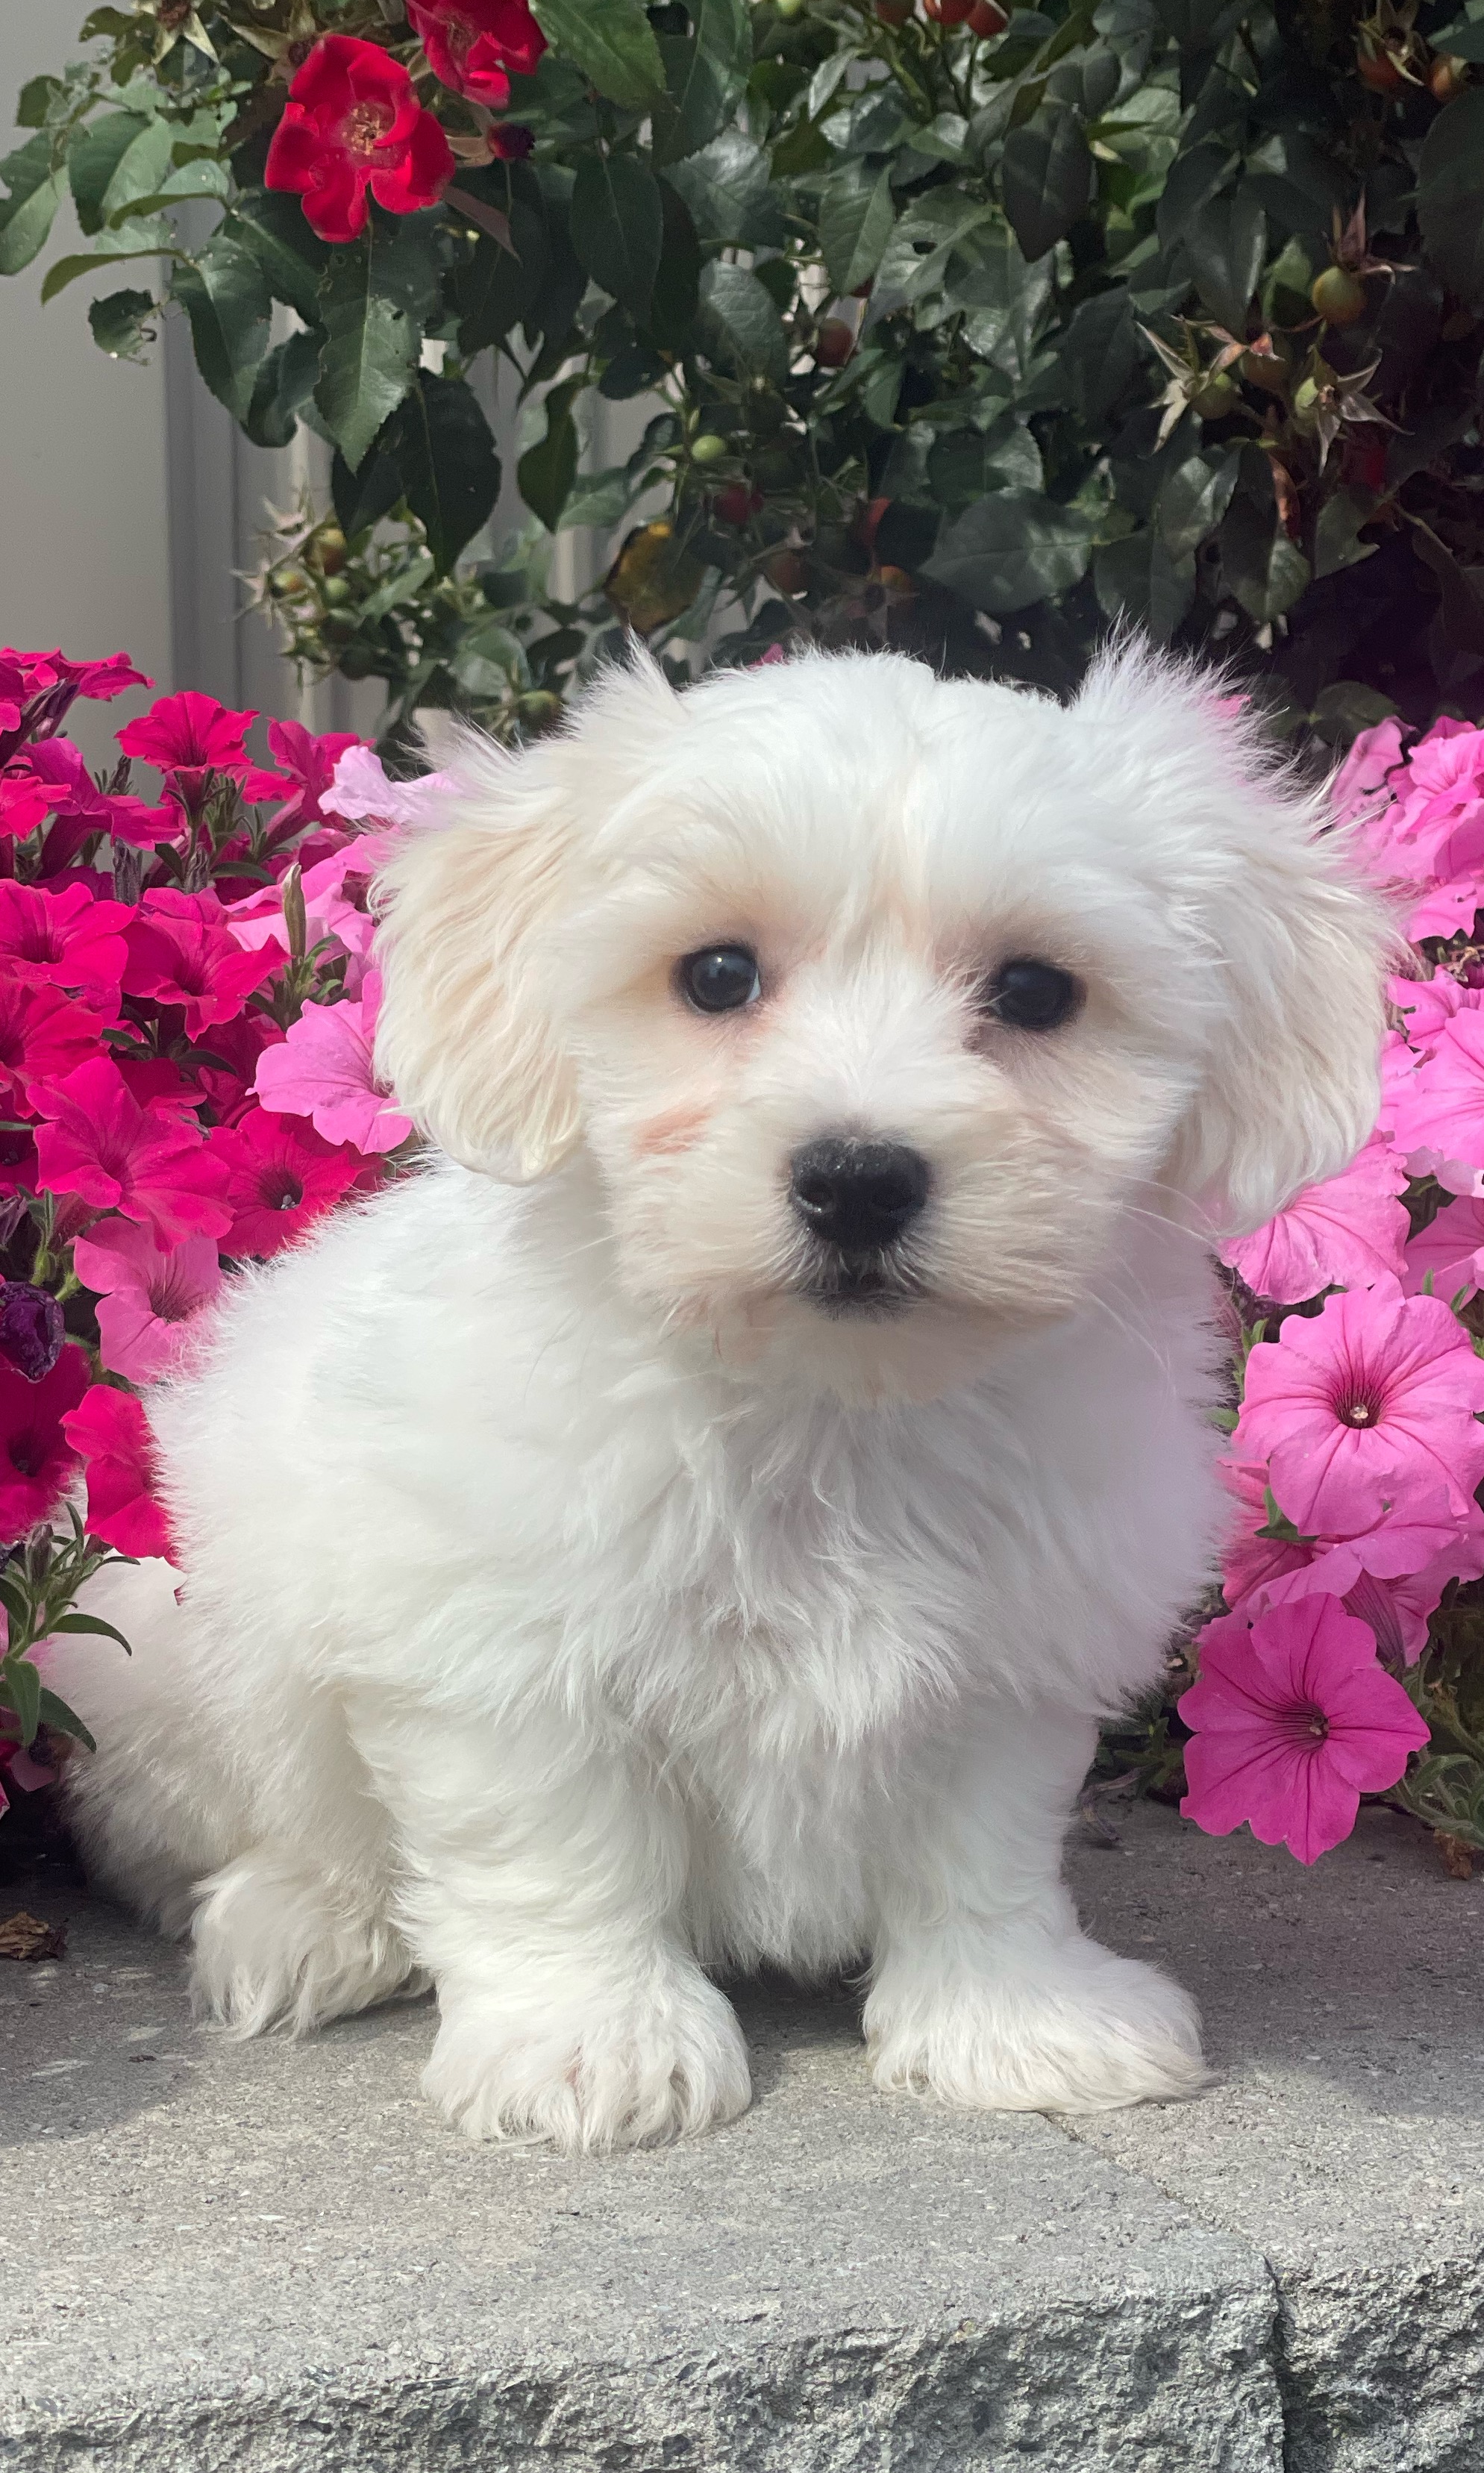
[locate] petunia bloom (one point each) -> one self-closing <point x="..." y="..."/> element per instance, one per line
<point x="80" y="809"/>
<point x="1292" y="1721"/>
<point x="363" y="790"/>
<point x="25" y="803"/>
<point x="36" y="1458"/>
<point x="1345" y="1233"/>
<point x="353" y="122"/>
<point x="1363" y="1406"/>
<point x="43" y="1034"/>
<point x="111" y="1433"/>
<point x="150" y="1302"/>
<point x="38" y="690"/>
<point x="1449" y="1252"/>
<point x="1434" y="1102"/>
<point x="280" y="1177"/>
<point x="65" y="937"/>
<point x="473" y="44"/>
<point x="147" y="1161"/>
<point x="325" y="1070"/>
<point x="1390" y="1575"/>
<point x="307" y="760"/>
<point x="190" y="735"/>
<point x="181" y="951"/>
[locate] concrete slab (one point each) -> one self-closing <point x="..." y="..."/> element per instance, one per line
<point x="273" y="2258"/>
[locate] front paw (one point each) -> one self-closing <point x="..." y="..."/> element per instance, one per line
<point x="1056" y="2025"/>
<point x="636" y="2071"/>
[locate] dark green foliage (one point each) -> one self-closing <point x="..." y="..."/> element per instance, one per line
<point x="983" y="344"/>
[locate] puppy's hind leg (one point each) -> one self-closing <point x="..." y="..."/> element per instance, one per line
<point x="281" y="1943"/>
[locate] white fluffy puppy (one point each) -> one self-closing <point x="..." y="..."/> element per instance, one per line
<point x="720" y="1548"/>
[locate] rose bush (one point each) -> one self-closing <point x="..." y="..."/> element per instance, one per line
<point x="187" y="991"/>
<point x="953" y="326"/>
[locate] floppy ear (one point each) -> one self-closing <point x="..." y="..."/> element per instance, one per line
<point x="470" y="1033"/>
<point x="1297" y="942"/>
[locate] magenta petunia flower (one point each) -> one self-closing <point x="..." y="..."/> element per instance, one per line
<point x="324" y="1071"/>
<point x="25" y="801"/>
<point x="150" y="1300"/>
<point x="181" y="951"/>
<point x="1364" y="1406"/>
<point x="111" y="1433"/>
<point x="38" y="690"/>
<point x="43" y="1034"/>
<point x="64" y="937"/>
<point x="308" y="761"/>
<point x="80" y="809"/>
<point x="192" y="734"/>
<point x="36" y="1458"/>
<point x="281" y="1176"/>
<point x="149" y="1163"/>
<point x="1345" y="1233"/>
<point x="1292" y="1721"/>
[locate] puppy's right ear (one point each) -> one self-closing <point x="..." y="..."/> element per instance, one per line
<point x="470" y="1034"/>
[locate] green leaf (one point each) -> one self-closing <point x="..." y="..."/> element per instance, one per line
<point x="150" y="239"/>
<point x="93" y="157"/>
<point x="740" y="323"/>
<point x="706" y="77"/>
<point x="1463" y="593"/>
<point x="1194" y="498"/>
<point x="618" y="222"/>
<point x="446" y="455"/>
<point x="1012" y="550"/>
<point x="496" y="287"/>
<point x="118" y="326"/>
<point x="1141" y="578"/>
<point x="856" y="219"/>
<point x="611" y="41"/>
<point x="285" y="382"/>
<point x="292" y="256"/>
<point x="548" y="471"/>
<point x="1261" y="566"/>
<point x="55" y="1713"/>
<point x="91" y="1623"/>
<point x="1047" y="173"/>
<point x="370" y="348"/>
<point x="1450" y="196"/>
<point x="27" y="213"/>
<point x="1462" y="41"/>
<point x="360" y="499"/>
<point x="1004" y="302"/>
<point x="20" y="1689"/>
<point x="39" y="97"/>
<point x="1225" y="240"/>
<point x="225" y="295"/>
<point x="1344" y="707"/>
<point x="672" y="312"/>
<point x="140" y="170"/>
<point x="728" y="187"/>
<point x="1099" y="352"/>
<point x="916" y="257"/>
<point x="1337" y="541"/>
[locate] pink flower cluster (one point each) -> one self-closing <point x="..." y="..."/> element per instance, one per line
<point x="187" y="999"/>
<point x="1359" y="1453"/>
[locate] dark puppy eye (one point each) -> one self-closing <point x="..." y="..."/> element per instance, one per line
<point x="1032" y="995"/>
<point x="722" y="978"/>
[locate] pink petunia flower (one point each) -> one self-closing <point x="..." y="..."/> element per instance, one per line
<point x="1364" y="774"/>
<point x="80" y="809"/>
<point x="1451" y="1248"/>
<point x="1345" y="1233"/>
<point x="150" y="1303"/>
<point x="1363" y="1406"/>
<point x="64" y="937"/>
<point x="43" y="1034"/>
<point x="37" y="1458"/>
<point x="147" y="1161"/>
<point x="181" y="951"/>
<point x="361" y="791"/>
<point x="281" y="1177"/>
<point x="1436" y="1104"/>
<point x="1293" y="1721"/>
<point x="192" y="734"/>
<point x="111" y="1433"/>
<point x="308" y="759"/>
<point x="324" y="1071"/>
<point x="1392" y="1575"/>
<point x="25" y="803"/>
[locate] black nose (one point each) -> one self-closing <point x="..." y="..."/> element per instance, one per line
<point x="859" y="1196"/>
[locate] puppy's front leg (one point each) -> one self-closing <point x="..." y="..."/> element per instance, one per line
<point x="544" y="1875"/>
<point x="984" y="1990"/>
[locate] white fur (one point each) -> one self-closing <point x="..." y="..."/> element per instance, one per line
<point x="569" y="1606"/>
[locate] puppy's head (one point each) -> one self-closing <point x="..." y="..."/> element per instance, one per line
<point x="877" y="1001"/>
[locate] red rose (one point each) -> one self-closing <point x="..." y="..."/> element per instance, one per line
<point x="471" y="44"/>
<point x="353" y="122"/>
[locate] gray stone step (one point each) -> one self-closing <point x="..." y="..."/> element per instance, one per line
<point x="275" y="2258"/>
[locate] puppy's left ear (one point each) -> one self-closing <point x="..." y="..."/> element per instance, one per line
<point x="1296" y="943"/>
<point x="471" y="1033"/>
